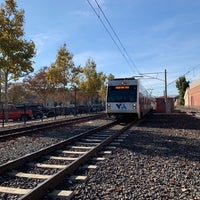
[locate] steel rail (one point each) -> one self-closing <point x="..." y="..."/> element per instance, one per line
<point x="20" y="161"/>
<point x="13" y="133"/>
<point x="43" y="188"/>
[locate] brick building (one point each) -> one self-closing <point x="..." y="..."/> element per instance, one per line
<point x="192" y="94"/>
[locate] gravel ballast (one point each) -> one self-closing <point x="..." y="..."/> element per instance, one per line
<point x="15" y="148"/>
<point x="160" y="159"/>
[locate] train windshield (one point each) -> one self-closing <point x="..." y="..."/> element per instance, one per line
<point x="122" y="94"/>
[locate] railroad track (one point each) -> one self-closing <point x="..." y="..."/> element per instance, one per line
<point x="34" y="128"/>
<point x="59" y="160"/>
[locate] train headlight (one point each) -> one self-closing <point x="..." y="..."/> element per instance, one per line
<point x="134" y="106"/>
<point x="108" y="106"/>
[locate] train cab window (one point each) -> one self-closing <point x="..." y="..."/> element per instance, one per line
<point x="127" y="94"/>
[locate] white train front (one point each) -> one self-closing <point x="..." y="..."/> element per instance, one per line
<point x="127" y="97"/>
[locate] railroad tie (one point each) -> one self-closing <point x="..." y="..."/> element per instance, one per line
<point x="11" y="190"/>
<point x="51" y="166"/>
<point x="66" y="194"/>
<point x="60" y="158"/>
<point x="71" y="152"/>
<point x="28" y="175"/>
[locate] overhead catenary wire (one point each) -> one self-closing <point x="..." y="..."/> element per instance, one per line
<point x="147" y="75"/>
<point x="108" y="31"/>
<point x="112" y="33"/>
<point x="188" y="72"/>
<point x="116" y="35"/>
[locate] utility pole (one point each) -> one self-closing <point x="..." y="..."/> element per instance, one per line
<point x="165" y="85"/>
<point x="75" y="100"/>
<point x="166" y="102"/>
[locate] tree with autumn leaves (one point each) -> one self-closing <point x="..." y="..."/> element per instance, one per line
<point x="60" y="73"/>
<point x="15" y="51"/>
<point x="38" y="86"/>
<point x="66" y="77"/>
<point x="60" y="80"/>
<point x="56" y="81"/>
<point x="93" y="82"/>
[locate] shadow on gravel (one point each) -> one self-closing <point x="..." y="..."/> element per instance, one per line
<point x="153" y="144"/>
<point x="177" y="121"/>
<point x="160" y="135"/>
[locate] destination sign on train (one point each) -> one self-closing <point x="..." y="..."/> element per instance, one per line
<point x="121" y="87"/>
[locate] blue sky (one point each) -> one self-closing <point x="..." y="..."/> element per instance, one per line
<point x="157" y="35"/>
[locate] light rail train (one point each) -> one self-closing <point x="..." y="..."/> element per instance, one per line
<point x="126" y="97"/>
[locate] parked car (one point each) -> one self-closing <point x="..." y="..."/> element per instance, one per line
<point x="68" y="111"/>
<point x="97" y="108"/>
<point x="11" y="112"/>
<point x="47" y="112"/>
<point x="39" y="111"/>
<point x="80" y="109"/>
<point x="37" y="114"/>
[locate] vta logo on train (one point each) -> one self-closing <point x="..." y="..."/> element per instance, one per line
<point x="121" y="106"/>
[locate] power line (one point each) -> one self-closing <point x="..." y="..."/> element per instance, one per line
<point x="120" y="46"/>
<point x="124" y="49"/>
<point x="106" y="29"/>
<point x="188" y="72"/>
<point x="178" y="78"/>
